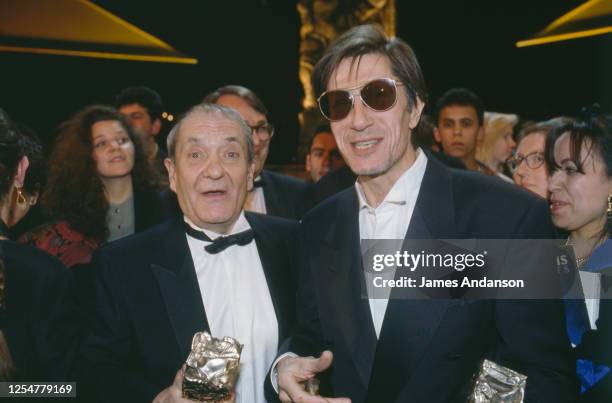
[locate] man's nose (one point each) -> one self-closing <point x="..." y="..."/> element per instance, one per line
<point x="360" y="119"/>
<point x="212" y="168"/>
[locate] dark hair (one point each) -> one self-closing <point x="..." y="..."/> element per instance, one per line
<point x="324" y="128"/>
<point x="460" y="97"/>
<point x="423" y="134"/>
<point x="37" y="168"/>
<point x="11" y="152"/>
<point x="144" y="96"/>
<point x="74" y="191"/>
<point x="241" y="92"/>
<point x="593" y="130"/>
<point x="371" y="39"/>
<point x="4" y="119"/>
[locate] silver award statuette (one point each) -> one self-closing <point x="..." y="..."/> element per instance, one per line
<point x="212" y="368"/>
<point x="498" y="384"/>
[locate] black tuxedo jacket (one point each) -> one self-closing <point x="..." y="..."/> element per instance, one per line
<point x="428" y="350"/>
<point x="148" y="307"/>
<point x="39" y="322"/>
<point x="285" y="196"/>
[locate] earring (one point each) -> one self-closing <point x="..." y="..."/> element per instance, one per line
<point x="609" y="210"/>
<point x="21" y="199"/>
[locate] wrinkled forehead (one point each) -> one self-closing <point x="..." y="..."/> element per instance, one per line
<point x="210" y="130"/>
<point x="355" y="71"/>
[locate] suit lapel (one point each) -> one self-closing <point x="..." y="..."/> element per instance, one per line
<point x="179" y="287"/>
<point x="275" y="270"/>
<point x="273" y="205"/>
<point x="409" y="324"/>
<point x="346" y="283"/>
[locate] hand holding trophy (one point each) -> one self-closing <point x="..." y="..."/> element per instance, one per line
<point x="210" y="373"/>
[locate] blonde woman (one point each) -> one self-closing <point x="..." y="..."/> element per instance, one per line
<point x="497" y="145"/>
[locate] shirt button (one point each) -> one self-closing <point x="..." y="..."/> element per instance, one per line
<point x="116" y="210"/>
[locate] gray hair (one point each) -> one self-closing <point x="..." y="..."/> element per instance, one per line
<point x="212" y="109"/>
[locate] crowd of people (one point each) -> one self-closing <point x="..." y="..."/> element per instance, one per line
<point x="115" y="250"/>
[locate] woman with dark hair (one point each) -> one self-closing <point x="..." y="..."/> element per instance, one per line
<point x="100" y="187"/>
<point x="37" y="323"/>
<point x="580" y="189"/>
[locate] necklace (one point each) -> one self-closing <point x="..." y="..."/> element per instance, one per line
<point x="581" y="260"/>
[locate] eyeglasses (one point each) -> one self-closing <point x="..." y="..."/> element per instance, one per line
<point x="533" y="160"/>
<point x="264" y="131"/>
<point x="379" y="95"/>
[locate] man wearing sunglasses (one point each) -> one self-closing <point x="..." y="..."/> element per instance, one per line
<point x="403" y="350"/>
<point x="273" y="194"/>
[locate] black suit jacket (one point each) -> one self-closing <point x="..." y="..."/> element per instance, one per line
<point x="428" y="350"/>
<point x="40" y="322"/>
<point x="285" y="196"/>
<point x="148" y="306"/>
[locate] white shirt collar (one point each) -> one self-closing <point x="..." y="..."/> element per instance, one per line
<point x="240" y="225"/>
<point x="408" y="182"/>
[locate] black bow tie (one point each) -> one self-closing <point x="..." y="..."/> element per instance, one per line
<point x="223" y="242"/>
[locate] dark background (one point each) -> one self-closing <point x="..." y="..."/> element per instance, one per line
<point x="256" y="43"/>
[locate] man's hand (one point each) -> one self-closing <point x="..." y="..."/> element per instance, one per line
<point x="174" y="392"/>
<point x="293" y="372"/>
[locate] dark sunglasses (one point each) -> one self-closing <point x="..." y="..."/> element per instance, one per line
<point x="379" y="95"/>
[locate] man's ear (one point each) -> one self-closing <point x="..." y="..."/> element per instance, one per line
<point x="171" y="173"/>
<point x="20" y="174"/>
<point x="251" y="176"/>
<point x="156" y="126"/>
<point x="415" y="114"/>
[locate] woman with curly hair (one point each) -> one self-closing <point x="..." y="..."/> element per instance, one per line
<point x="100" y="187"/>
<point x="37" y="317"/>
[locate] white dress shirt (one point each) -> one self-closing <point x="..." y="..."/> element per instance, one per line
<point x="390" y="219"/>
<point x="237" y="303"/>
<point x="591" y="286"/>
<point x="255" y="200"/>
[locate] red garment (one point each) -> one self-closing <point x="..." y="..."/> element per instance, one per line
<point x="59" y="239"/>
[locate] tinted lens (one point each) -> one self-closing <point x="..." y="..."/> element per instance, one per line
<point x="336" y="105"/>
<point x="379" y="94"/>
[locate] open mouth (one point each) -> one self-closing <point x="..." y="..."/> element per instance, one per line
<point x="365" y="144"/>
<point x="214" y="193"/>
<point x="555" y="205"/>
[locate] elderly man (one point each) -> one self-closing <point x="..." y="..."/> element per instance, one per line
<point x="201" y="272"/>
<point x="404" y="350"/>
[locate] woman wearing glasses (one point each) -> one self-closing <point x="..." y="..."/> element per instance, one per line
<point x="527" y="166"/>
<point x="580" y="189"/>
